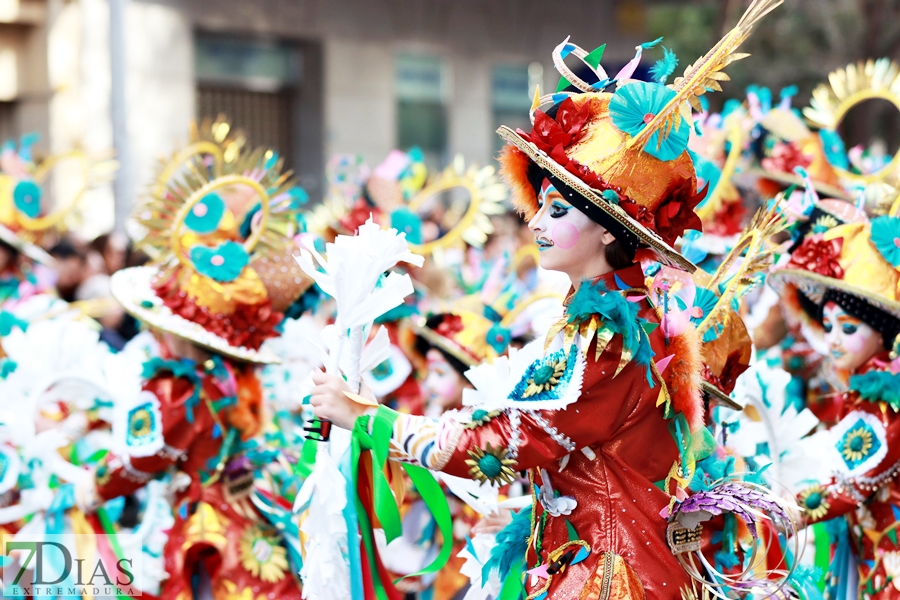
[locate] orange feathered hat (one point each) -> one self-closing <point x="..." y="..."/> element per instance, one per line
<point x="621" y="158"/>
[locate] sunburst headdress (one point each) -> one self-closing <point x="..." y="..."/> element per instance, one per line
<point x="27" y="210"/>
<point x="621" y="158"/>
<point x="212" y="144"/>
<point x="436" y="211"/>
<point x="847" y="88"/>
<point x="222" y="234"/>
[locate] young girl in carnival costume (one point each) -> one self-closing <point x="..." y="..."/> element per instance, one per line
<point x="843" y="282"/>
<point x="590" y="411"/>
<point x="221" y="234"/>
<point x="848" y="277"/>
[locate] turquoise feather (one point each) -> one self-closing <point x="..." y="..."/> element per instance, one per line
<point x="878" y="386"/>
<point x="617" y="313"/>
<point x="512" y="544"/>
<point x="664" y="67"/>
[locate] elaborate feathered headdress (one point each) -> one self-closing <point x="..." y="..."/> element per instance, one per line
<point x="623" y="155"/>
<point x="27" y="211"/>
<point x="222" y="237"/>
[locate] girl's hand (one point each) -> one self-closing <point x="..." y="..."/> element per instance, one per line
<point x="329" y="401"/>
<point x="493" y="523"/>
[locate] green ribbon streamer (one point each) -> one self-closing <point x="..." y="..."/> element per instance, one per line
<point x="307" y="461"/>
<point x="513" y="588"/>
<point x="822" y="554"/>
<point x="378" y="443"/>
<point x="384" y="503"/>
<point x="113" y="540"/>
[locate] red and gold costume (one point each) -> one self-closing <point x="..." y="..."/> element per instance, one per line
<point x="215" y="524"/>
<point x="220" y="227"/>
<point x="596" y="452"/>
<point x="853" y="266"/>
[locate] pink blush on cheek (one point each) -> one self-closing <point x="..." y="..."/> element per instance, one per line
<point x="564" y="235"/>
<point x="855" y="343"/>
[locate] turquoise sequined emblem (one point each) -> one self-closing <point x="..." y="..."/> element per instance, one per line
<point x="858" y="444"/>
<point x="383" y="370"/>
<point x="547" y="378"/>
<point x="142" y="425"/>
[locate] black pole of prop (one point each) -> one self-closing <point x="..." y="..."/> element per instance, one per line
<point x="318" y="430"/>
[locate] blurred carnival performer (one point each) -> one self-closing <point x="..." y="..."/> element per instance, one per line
<point x="607" y="404"/>
<point x="221" y="233"/>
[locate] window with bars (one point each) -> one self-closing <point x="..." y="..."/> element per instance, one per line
<point x="255" y="84"/>
<point x="266" y="118"/>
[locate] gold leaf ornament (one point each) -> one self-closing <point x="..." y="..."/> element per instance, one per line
<point x="491" y="464"/>
<point x="704" y="74"/>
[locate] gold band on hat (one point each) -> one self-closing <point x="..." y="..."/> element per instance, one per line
<point x="666" y="253"/>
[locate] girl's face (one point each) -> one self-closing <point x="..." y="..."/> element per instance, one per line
<point x="850" y="341"/>
<point x="444" y="385"/>
<point x="568" y="240"/>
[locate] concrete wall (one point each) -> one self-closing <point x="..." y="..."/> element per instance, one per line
<point x="359" y="39"/>
<point x="347" y="100"/>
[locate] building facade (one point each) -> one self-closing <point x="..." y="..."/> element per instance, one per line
<point x="312" y="78"/>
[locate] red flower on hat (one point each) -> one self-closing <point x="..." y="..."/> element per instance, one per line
<point x="452" y="324"/>
<point x="248" y="326"/>
<point x="677" y="211"/>
<point x="819" y="256"/>
<point x="728" y="219"/>
<point x="553" y="136"/>
<point x="548" y="133"/>
<point x="785" y="157"/>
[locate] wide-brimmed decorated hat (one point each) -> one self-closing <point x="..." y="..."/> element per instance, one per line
<point x="222" y="235"/>
<point x="622" y="157"/>
<point x="787" y="152"/>
<point x="859" y="259"/>
<point x="39" y="197"/>
<point x="437" y="210"/>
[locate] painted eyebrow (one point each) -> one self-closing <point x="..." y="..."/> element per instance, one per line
<point x="848" y="319"/>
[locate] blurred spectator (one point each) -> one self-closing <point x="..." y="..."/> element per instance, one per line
<point x="111" y="317"/>
<point x="72" y="265"/>
<point x="113" y="249"/>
